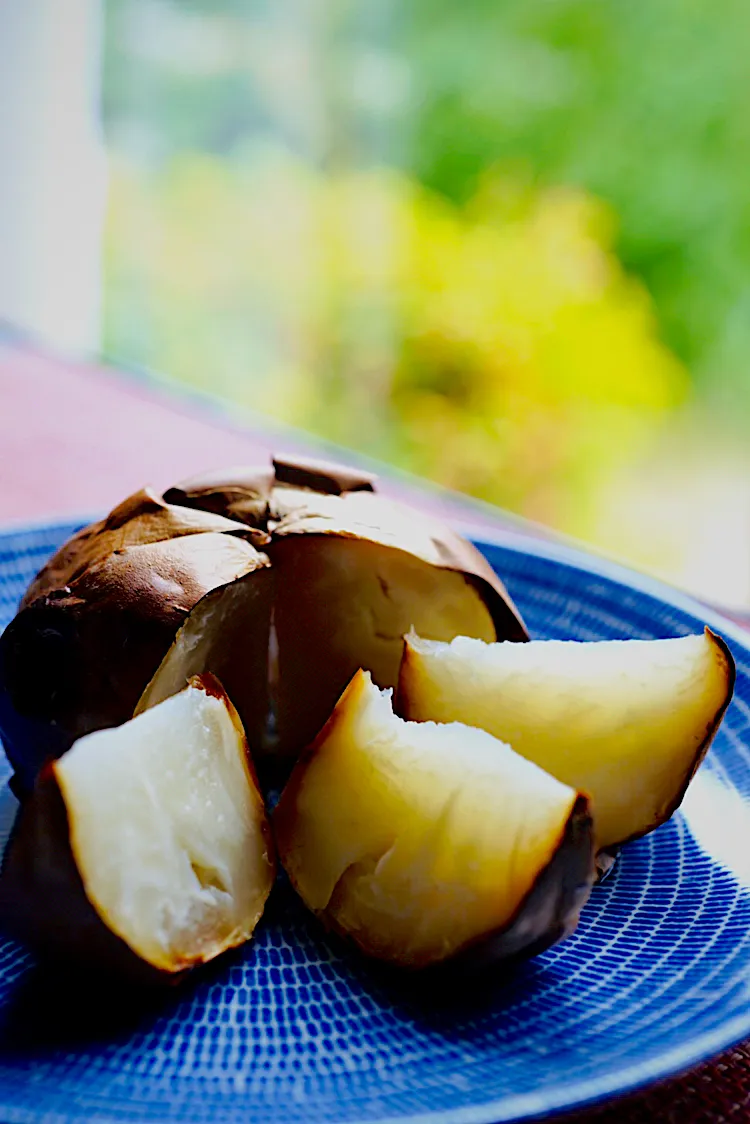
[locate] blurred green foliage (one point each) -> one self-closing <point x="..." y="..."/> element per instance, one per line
<point x="646" y="103"/>
<point x="496" y="346"/>
<point x="490" y="242"/>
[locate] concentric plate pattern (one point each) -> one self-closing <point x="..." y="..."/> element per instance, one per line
<point x="293" y="1028"/>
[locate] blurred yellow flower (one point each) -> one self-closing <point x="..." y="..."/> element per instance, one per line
<point x="498" y="348"/>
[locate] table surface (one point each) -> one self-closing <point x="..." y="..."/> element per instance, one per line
<point x="75" y="439"/>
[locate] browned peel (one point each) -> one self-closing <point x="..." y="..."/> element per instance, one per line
<point x="551" y="908"/>
<point x="141" y="520"/>
<point x="322" y="476"/>
<point x="548" y="912"/>
<point x="239" y="493"/>
<point x="42" y="897"/>
<point x="257" y="494"/>
<point x="146" y="567"/>
<point x="726" y="661"/>
<point x="44" y="903"/>
<point x="296" y="516"/>
<point x="371" y="517"/>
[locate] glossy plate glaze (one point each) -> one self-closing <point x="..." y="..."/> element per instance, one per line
<point x="295" y="1029"/>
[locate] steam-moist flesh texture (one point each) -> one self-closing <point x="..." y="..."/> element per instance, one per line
<point x="168" y="832"/>
<point x="627" y="721"/>
<point x="415" y="839"/>
<point x="100" y="616"/>
<point x="345" y="603"/>
<point x="364" y="515"/>
<point x="226" y="635"/>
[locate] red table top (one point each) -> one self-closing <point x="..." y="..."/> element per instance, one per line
<point x="75" y="439"/>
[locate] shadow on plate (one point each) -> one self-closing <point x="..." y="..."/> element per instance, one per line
<point x="57" y="1006"/>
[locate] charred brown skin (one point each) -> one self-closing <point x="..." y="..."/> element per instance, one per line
<point x="547" y="914"/>
<point x="310" y="500"/>
<point x="53" y="691"/>
<point x="703" y="748"/>
<point x="551" y="909"/>
<point x="43" y="902"/>
<point x="240" y="493"/>
<point x="141" y="519"/>
<point x="432" y="541"/>
<point x="98" y="619"/>
<point x="322" y="476"/>
<point x="77" y="656"/>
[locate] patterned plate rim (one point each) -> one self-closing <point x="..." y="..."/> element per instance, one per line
<point x="630" y="1078"/>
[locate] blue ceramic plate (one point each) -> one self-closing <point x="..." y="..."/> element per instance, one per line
<point x="291" y="1028"/>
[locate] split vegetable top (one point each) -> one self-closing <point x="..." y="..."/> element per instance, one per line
<point x="282" y="581"/>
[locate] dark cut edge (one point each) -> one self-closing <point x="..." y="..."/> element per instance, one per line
<point x="323" y="476"/>
<point x="705" y="745"/>
<point x="547" y="914"/>
<point x="550" y="910"/>
<point x="506" y="616"/>
<point x="43" y="902"/>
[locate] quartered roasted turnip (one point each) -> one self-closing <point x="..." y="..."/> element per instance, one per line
<point x="425" y="842"/>
<point x="281" y="581"/>
<point x="97" y="620"/>
<point x="144" y="850"/>
<point x="626" y="721"/>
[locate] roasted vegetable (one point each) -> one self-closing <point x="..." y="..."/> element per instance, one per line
<point x="145" y="849"/>
<point x="97" y="620"/>
<point x="425" y="842"/>
<point x="627" y="721"/>
<point x="330" y="577"/>
<point x="354" y="573"/>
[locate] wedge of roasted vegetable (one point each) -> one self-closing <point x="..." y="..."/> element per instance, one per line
<point x="627" y="721"/>
<point x="424" y="842"/>
<point x="145" y="849"/>
<point x="354" y="573"/>
<point x="96" y="622"/>
<point x="351" y="572"/>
